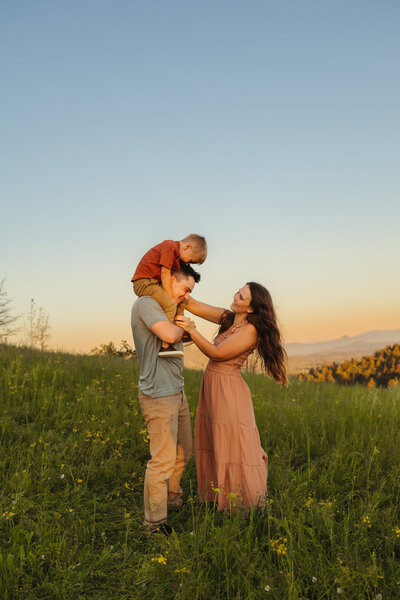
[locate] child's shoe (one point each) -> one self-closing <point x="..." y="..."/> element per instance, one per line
<point x="170" y="352"/>
<point x="187" y="338"/>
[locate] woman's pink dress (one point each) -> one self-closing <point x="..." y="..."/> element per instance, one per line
<point x="227" y="447"/>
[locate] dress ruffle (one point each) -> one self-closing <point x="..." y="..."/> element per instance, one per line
<point x="231" y="465"/>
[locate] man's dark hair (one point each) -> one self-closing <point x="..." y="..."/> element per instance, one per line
<point x="188" y="271"/>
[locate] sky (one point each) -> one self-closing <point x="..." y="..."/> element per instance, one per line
<point x="271" y="128"/>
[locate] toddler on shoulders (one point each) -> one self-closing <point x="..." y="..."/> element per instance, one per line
<point x="153" y="275"/>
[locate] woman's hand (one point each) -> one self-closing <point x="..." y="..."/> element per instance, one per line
<point x="185" y="302"/>
<point x="186" y="323"/>
<point x="205" y="311"/>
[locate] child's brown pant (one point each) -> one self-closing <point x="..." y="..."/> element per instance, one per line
<point x="153" y="288"/>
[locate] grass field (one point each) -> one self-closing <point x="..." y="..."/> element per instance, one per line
<point x="73" y="455"/>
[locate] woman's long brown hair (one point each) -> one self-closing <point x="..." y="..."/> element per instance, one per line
<point x="269" y="342"/>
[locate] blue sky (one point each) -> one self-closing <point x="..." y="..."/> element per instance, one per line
<point x="269" y="127"/>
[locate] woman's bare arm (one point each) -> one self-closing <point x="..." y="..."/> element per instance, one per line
<point x="203" y="310"/>
<point x="236" y="344"/>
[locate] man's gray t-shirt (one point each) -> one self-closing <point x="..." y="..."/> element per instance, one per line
<point x="158" y="376"/>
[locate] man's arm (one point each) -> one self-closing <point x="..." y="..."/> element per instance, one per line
<point x="167" y="332"/>
<point x="155" y="320"/>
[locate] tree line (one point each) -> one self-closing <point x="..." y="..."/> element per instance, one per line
<point x="381" y="369"/>
<point x="35" y="324"/>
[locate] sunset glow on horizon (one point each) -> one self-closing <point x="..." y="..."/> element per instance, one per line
<point x="271" y="130"/>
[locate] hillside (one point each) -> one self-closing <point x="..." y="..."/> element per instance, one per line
<point x="381" y="369"/>
<point x="365" y="343"/>
<point x="73" y="453"/>
<point x="304" y="356"/>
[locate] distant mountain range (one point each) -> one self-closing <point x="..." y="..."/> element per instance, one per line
<point x="302" y="356"/>
<point x="365" y="343"/>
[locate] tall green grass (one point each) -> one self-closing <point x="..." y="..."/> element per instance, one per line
<point x="73" y="449"/>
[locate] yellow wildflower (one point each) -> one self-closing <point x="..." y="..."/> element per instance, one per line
<point x="161" y="560"/>
<point x="279" y="546"/>
<point x="183" y="570"/>
<point x="366" y="521"/>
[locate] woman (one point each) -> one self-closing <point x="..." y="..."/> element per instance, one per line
<point x="230" y="461"/>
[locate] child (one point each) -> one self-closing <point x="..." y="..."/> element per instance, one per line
<point x="153" y="275"/>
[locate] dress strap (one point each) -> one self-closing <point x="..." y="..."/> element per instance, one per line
<point x="232" y="329"/>
<point x="238" y="326"/>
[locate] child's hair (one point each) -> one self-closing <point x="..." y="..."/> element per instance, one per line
<point x="199" y="245"/>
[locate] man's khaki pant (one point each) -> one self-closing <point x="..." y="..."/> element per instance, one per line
<point x="154" y="289"/>
<point x="168" y="424"/>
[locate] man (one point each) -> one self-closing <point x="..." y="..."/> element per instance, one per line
<point x="163" y="401"/>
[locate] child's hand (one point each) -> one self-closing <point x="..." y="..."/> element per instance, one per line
<point x="186" y="323"/>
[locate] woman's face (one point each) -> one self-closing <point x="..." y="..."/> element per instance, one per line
<point x="241" y="301"/>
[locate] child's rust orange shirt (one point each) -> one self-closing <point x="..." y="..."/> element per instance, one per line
<point x="165" y="254"/>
